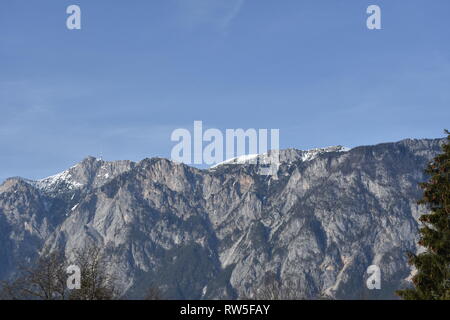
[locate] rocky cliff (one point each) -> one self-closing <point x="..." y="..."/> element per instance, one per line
<point x="217" y="233"/>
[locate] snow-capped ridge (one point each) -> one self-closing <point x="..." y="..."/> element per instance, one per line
<point x="66" y="179"/>
<point x="311" y="154"/>
<point x="246" y="158"/>
<point x="286" y="156"/>
<point x="51" y="182"/>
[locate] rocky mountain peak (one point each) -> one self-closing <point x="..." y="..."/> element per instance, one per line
<point x="216" y="233"/>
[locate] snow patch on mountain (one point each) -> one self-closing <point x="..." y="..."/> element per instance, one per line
<point x="285" y="156"/>
<point x="50" y="183"/>
<point x="247" y="158"/>
<point x="309" y="155"/>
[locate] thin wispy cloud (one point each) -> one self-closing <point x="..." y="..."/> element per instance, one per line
<point x="217" y="14"/>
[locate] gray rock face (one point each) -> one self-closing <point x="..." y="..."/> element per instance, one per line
<point x="216" y="233"/>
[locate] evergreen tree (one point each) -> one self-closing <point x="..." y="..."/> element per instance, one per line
<point x="432" y="280"/>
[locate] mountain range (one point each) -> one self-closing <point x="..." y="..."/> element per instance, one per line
<point x="217" y="233"/>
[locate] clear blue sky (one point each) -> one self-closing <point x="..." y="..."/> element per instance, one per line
<point x="139" y="69"/>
